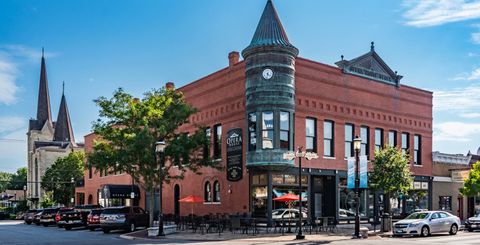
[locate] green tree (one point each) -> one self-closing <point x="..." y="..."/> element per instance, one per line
<point x="5" y="179"/>
<point x="391" y="173"/>
<point x="58" y="177"/>
<point x="471" y="186"/>
<point x="128" y="129"/>
<point x="19" y="179"/>
<point x="47" y="200"/>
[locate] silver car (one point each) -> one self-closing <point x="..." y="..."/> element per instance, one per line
<point x="427" y="222"/>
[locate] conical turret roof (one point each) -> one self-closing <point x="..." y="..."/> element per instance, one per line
<point x="43" y="107"/>
<point x="63" y="126"/>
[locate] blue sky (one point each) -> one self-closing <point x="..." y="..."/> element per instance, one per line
<point x="98" y="46"/>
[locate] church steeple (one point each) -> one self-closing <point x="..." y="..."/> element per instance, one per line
<point x="63" y="126"/>
<point x="43" y="107"/>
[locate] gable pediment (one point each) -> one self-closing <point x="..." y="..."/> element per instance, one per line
<point x="370" y="66"/>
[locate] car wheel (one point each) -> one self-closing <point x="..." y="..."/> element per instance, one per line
<point x="425" y="231"/>
<point x="453" y="229"/>
<point x="28" y="223"/>
<point x="470" y="230"/>
<point x="132" y="227"/>
<point x="91" y="228"/>
<point x="106" y="231"/>
<point x="67" y="228"/>
<point x="45" y="225"/>
<point x="37" y="224"/>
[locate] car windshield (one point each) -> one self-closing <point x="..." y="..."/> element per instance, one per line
<point x="417" y="216"/>
<point x="96" y="211"/>
<point x="278" y="212"/>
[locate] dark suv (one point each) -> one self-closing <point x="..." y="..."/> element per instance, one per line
<point x="93" y="219"/>
<point x="60" y="217"/>
<point x="29" y="215"/>
<point x="48" y="216"/>
<point x="78" y="216"/>
<point x="126" y="218"/>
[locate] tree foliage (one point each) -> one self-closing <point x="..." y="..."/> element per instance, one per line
<point x="19" y="179"/>
<point x="391" y="172"/>
<point x="471" y="186"/>
<point x="58" y="177"/>
<point x="5" y="179"/>
<point x="128" y="129"/>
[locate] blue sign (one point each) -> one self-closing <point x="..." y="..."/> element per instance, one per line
<point x="363" y="172"/>
<point x="351" y="173"/>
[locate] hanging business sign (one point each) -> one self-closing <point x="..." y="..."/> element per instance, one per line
<point x="363" y="172"/>
<point x="234" y="155"/>
<point x="351" y="173"/>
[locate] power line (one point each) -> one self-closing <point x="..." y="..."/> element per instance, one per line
<point x="10" y="140"/>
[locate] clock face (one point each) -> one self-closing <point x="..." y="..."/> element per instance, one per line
<point x="267" y="73"/>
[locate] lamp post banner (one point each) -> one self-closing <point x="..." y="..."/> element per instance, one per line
<point x="351" y="173"/>
<point x="234" y="154"/>
<point x="363" y="172"/>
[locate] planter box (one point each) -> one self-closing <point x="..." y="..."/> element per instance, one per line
<point x="167" y="229"/>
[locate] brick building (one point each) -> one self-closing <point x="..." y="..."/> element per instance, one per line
<point x="274" y="101"/>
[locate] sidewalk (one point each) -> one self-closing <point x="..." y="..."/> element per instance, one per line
<point x="341" y="234"/>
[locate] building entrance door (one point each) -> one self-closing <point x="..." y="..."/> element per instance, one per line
<point x="323" y="198"/>
<point x="460" y="207"/>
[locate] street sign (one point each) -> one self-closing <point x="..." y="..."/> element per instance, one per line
<point x="234" y="155"/>
<point x="311" y="155"/>
<point x="289" y="156"/>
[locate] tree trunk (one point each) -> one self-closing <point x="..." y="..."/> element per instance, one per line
<point x="386" y="203"/>
<point x="151" y="205"/>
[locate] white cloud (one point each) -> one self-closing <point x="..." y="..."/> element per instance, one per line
<point x="8" y="75"/>
<point x="470" y="115"/>
<point x="424" y="13"/>
<point x="456" y="131"/>
<point x="10" y="123"/>
<point x="473" y="75"/>
<point x="476" y="37"/>
<point x="461" y="100"/>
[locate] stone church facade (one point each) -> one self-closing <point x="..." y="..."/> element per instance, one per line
<point x="47" y="140"/>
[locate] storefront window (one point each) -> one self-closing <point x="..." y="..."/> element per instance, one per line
<point x="267" y="130"/>
<point x="259" y="201"/>
<point x="417" y="200"/>
<point x="477" y="204"/>
<point x="347" y="201"/>
<point x="445" y="202"/>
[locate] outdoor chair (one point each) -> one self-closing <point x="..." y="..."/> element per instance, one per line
<point x="235" y="224"/>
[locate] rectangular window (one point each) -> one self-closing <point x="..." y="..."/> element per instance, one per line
<point x="364" y="135"/>
<point x="417" y="150"/>
<point x="392" y="138"/>
<point x="311" y="134"/>
<point x="445" y="203"/>
<point x="217" y="144"/>
<point x="90" y="171"/>
<point x="206" y="147"/>
<point x="267" y="130"/>
<point x="252" y="132"/>
<point x="405" y="142"/>
<point x="378" y="139"/>
<point x="284" y="130"/>
<point x="349" y="140"/>
<point x="328" y="144"/>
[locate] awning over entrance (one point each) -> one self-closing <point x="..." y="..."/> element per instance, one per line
<point x="119" y="191"/>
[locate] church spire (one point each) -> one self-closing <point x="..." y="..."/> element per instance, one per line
<point x="270" y="31"/>
<point x="43" y="107"/>
<point x="63" y="126"/>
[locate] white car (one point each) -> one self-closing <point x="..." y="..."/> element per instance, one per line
<point x="286" y="213"/>
<point x="426" y="223"/>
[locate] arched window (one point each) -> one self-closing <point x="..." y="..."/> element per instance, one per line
<point x="207" y="195"/>
<point x="216" y="191"/>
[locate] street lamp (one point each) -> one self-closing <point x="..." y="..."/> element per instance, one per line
<point x="24" y="193"/>
<point x="160" y="150"/>
<point x="72" y="200"/>
<point x="357" y="144"/>
<point x="290" y="156"/>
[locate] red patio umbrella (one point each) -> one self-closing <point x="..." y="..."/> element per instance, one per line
<point x="192" y="199"/>
<point x="287" y="198"/>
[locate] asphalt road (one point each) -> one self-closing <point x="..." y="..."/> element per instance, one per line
<point x="15" y="232"/>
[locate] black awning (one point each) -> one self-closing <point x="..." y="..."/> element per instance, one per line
<point x="119" y="191"/>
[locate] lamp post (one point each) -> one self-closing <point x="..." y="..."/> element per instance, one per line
<point x="25" y="194"/>
<point x="357" y="144"/>
<point x="291" y="156"/>
<point x="72" y="200"/>
<point x="160" y="150"/>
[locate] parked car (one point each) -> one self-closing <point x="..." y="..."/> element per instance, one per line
<point x="473" y="223"/>
<point x="126" y="218"/>
<point x="343" y="213"/>
<point x="48" y="216"/>
<point x="78" y="216"/>
<point x="36" y="217"/>
<point x="287" y="213"/>
<point x="93" y="219"/>
<point x="426" y="223"/>
<point x="28" y="217"/>
<point x="60" y="217"/>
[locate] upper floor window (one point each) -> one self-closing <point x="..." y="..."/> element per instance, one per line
<point x="216" y="191"/>
<point x="284" y="130"/>
<point x="90" y="170"/>
<point x="328" y="144"/>
<point x="267" y="130"/>
<point x="311" y="134"/>
<point x="252" y="132"/>
<point x="417" y="149"/>
<point x="378" y="139"/>
<point x="207" y="194"/>
<point x="364" y="135"/>
<point x="206" y="147"/>
<point x="405" y="142"/>
<point x="392" y="138"/>
<point x="349" y="140"/>
<point x="217" y="143"/>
